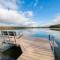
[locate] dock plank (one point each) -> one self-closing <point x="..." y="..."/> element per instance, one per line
<point x="35" y="49"/>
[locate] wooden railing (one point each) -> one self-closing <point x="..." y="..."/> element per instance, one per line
<point x="52" y="42"/>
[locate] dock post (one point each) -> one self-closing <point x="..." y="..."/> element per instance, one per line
<point x="14" y="38"/>
<point x="53" y="44"/>
<point x="8" y="36"/>
<point x="49" y="37"/>
<point x="3" y="37"/>
<point x="51" y="40"/>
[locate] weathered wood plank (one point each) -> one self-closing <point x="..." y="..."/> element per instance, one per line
<point x="35" y="50"/>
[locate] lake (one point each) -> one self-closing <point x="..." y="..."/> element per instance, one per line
<point x="43" y="33"/>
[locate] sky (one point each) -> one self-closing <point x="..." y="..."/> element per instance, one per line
<point x="29" y="12"/>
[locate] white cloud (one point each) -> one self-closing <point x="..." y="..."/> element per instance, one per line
<point x="28" y="13"/>
<point x="8" y="4"/>
<point x="9" y="14"/>
<point x="56" y="19"/>
<point x="31" y="24"/>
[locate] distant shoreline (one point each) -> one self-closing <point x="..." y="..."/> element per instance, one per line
<point x="16" y="27"/>
<point x="7" y="27"/>
<point x="56" y="29"/>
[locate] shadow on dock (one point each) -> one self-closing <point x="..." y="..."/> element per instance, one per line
<point x="12" y="53"/>
<point x="57" y="53"/>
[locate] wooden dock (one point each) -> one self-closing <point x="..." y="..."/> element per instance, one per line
<point x="35" y="49"/>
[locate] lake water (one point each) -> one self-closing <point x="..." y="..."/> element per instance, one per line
<point x="43" y="33"/>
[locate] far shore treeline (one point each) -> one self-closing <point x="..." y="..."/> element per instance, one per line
<point x="16" y="27"/>
<point x="24" y="27"/>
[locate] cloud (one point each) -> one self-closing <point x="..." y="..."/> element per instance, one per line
<point x="8" y="4"/>
<point x="28" y="13"/>
<point x="10" y="16"/>
<point x="31" y="24"/>
<point x="56" y="19"/>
